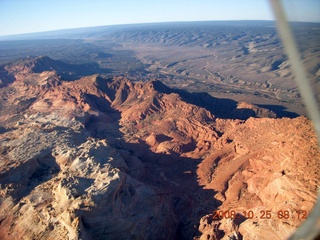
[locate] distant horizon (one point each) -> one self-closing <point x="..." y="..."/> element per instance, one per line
<point x="144" y="23"/>
<point x="128" y="24"/>
<point x="26" y="17"/>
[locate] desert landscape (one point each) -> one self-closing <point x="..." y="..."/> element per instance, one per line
<point x="239" y="60"/>
<point x="156" y="131"/>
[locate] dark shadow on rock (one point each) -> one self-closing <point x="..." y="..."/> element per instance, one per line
<point x="239" y="219"/>
<point x="281" y="111"/>
<point x="67" y="71"/>
<point x="31" y="173"/>
<point x="82" y="184"/>
<point x="276" y="64"/>
<point x="23" y="105"/>
<point x="104" y="124"/>
<point x="162" y="138"/>
<point x="5" y="77"/>
<point x="220" y="108"/>
<point x="102" y="55"/>
<point x="174" y="179"/>
<point x="99" y="103"/>
<point x="4" y="130"/>
<point x="243" y="113"/>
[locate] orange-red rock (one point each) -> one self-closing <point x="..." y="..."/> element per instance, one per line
<point x="112" y="159"/>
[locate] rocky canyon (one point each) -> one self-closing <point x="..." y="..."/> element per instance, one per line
<point x="100" y="157"/>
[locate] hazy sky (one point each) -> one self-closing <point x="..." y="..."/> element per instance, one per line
<point x="25" y="16"/>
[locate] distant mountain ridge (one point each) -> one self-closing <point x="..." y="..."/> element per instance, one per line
<point x="242" y="59"/>
<point x="40" y="64"/>
<point x="89" y="32"/>
<point x="78" y="33"/>
<point x="222" y="108"/>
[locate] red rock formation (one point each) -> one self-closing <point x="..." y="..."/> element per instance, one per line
<point x="110" y="159"/>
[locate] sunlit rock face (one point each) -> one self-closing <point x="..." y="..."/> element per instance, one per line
<point x="97" y="158"/>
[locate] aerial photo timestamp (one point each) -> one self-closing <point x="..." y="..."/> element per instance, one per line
<point x="263" y="214"/>
<point x="174" y="130"/>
